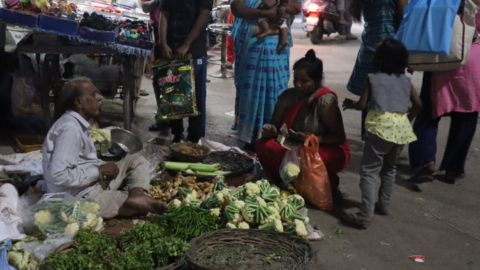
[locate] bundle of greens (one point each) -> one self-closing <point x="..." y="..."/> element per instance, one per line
<point x="194" y="168"/>
<point x="145" y="246"/>
<point x="188" y="222"/>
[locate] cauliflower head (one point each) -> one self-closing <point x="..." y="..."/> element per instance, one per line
<point x="243" y="225"/>
<point x="72" y="228"/>
<point x="251" y="188"/>
<point x="90" y="222"/>
<point x="90" y="207"/>
<point x="42" y="217"/>
<point x="261" y="201"/>
<point x="300" y="228"/>
<point x="278" y="225"/>
<point x="176" y="203"/>
<point x="239" y="204"/>
<point x="284" y="194"/>
<point x="230" y="226"/>
<point x="237" y="218"/>
<point x="215" y="212"/>
<point x="67" y="219"/>
<point x="290" y="171"/>
<point x="99" y="226"/>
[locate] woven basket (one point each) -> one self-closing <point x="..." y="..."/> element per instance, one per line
<point x="249" y="249"/>
<point x="189" y="158"/>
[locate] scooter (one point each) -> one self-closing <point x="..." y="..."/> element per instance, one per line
<point x="321" y="18"/>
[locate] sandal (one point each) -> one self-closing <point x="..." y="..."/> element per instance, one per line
<point x="353" y="219"/>
<point x="451" y="177"/>
<point x="143" y="93"/>
<point x="427" y="169"/>
<point x="380" y="211"/>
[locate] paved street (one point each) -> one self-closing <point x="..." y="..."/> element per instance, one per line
<point x="411" y="228"/>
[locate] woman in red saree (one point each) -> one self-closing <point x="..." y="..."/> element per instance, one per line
<point x="308" y="107"/>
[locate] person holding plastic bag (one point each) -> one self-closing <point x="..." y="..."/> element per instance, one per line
<point x="453" y="93"/>
<point x="312" y="108"/>
<point x="70" y="162"/>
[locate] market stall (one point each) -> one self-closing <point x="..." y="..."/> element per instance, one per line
<point x="102" y="30"/>
<point x="212" y="222"/>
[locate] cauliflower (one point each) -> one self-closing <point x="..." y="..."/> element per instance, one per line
<point x="237" y="218"/>
<point x="277" y="214"/>
<point x="251" y="188"/>
<point x="277" y="188"/>
<point x="296" y="201"/>
<point x="192" y="195"/>
<point x="215" y="212"/>
<point x="42" y="217"/>
<point x="284" y="194"/>
<point x="243" y="225"/>
<point x="21" y="260"/>
<point x="230" y="226"/>
<point x="89" y="207"/>
<point x="268" y="219"/>
<point x="67" y="219"/>
<point x="220" y="198"/>
<point x="91" y="221"/>
<point x="300" y="228"/>
<point x="275" y="225"/>
<point x="99" y="226"/>
<point x="249" y="217"/>
<point x="274" y="205"/>
<point x="71" y="228"/>
<point x="261" y="201"/>
<point x="175" y="203"/>
<point x="191" y="202"/>
<point x="282" y="203"/>
<point x="290" y="188"/>
<point x="239" y="204"/>
<point x="290" y="172"/>
<point x="226" y="196"/>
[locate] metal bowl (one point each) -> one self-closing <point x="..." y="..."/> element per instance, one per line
<point x="125" y="143"/>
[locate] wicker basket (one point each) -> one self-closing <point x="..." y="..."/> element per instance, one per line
<point x="249" y="249"/>
<point x="189" y="158"/>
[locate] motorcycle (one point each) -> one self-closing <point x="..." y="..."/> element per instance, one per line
<point x="322" y="18"/>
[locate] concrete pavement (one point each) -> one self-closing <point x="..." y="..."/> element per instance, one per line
<point x="410" y="229"/>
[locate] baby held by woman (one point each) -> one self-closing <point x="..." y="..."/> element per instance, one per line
<point x="264" y="25"/>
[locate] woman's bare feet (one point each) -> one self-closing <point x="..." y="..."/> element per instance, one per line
<point x="138" y="204"/>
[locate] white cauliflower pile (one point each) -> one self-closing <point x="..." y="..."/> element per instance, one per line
<point x="255" y="205"/>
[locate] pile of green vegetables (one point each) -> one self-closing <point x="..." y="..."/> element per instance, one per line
<point x="145" y="246"/>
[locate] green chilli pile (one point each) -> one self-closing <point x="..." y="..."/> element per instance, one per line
<point x="253" y="205"/>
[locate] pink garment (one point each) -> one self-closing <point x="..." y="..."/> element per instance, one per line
<point x="458" y="90"/>
<point x="154" y="21"/>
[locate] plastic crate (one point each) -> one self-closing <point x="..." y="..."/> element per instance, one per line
<point x="29" y="142"/>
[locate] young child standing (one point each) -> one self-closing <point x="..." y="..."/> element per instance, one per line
<point x="386" y="95"/>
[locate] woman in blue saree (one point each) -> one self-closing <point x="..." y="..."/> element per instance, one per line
<point x="261" y="74"/>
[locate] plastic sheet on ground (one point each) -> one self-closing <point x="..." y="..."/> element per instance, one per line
<point x="40" y="251"/>
<point x="216" y="146"/>
<point x="313" y="234"/>
<point x="21" y="157"/>
<point x="10" y="223"/>
<point x="29" y="166"/>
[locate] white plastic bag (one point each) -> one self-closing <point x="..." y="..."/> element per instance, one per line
<point x="40" y="251"/>
<point x="290" y="167"/>
<point x="58" y="213"/>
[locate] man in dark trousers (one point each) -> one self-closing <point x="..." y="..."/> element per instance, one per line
<point x="183" y="31"/>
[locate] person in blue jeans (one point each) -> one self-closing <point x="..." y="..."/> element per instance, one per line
<point x="183" y="31"/>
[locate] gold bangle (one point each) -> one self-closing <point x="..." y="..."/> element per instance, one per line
<point x="100" y="174"/>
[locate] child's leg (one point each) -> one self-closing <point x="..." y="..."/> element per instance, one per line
<point x="388" y="173"/>
<point x="263" y="24"/>
<point x="282" y="38"/>
<point x="372" y="163"/>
